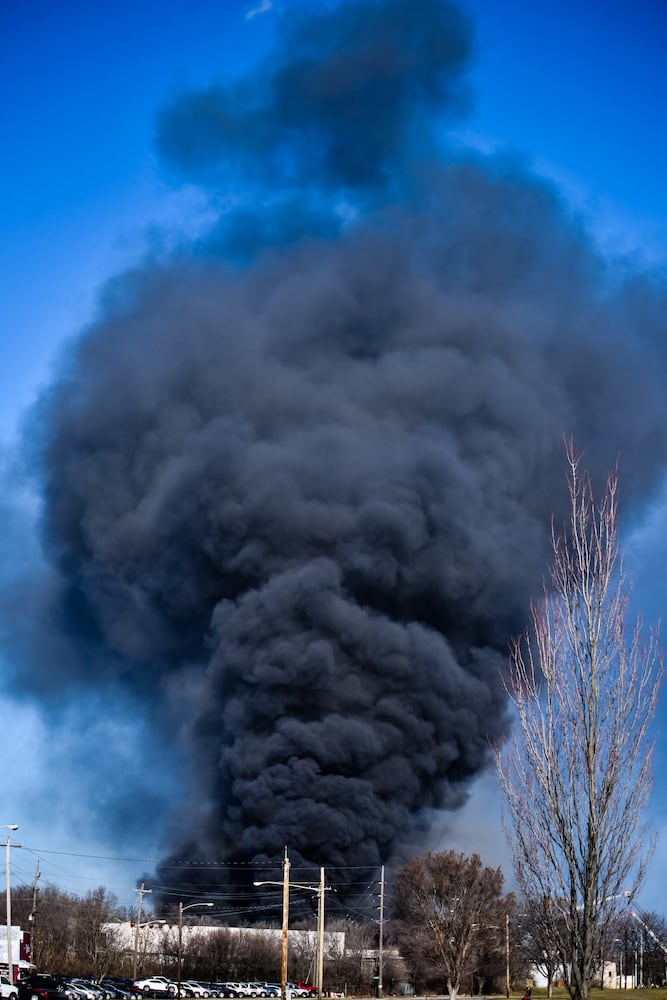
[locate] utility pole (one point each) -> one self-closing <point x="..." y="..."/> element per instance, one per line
<point x="142" y="892"/>
<point x="320" y="933"/>
<point x="10" y="964"/>
<point x="32" y="917"/>
<point x="507" y="955"/>
<point x="283" y="941"/>
<point x="320" y="889"/>
<point x="381" y="934"/>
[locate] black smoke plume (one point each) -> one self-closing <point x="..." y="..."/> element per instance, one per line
<point x="298" y="478"/>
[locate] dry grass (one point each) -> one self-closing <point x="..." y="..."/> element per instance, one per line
<point x="561" y="994"/>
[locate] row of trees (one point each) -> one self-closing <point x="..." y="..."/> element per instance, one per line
<point x="66" y="930"/>
<point x="458" y="932"/>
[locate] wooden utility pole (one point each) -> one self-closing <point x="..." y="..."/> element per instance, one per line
<point x="32" y="918"/>
<point x="142" y="892"/>
<point x="283" y="950"/>
<point x="381" y="934"/>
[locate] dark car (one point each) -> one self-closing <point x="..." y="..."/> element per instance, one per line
<point x="121" y="990"/>
<point x="123" y="983"/>
<point x="41" y="986"/>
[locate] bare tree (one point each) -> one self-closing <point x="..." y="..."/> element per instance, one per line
<point x="92" y="947"/>
<point x="576" y="775"/>
<point x="539" y="940"/>
<point x="71" y="936"/>
<point x="227" y="954"/>
<point x="648" y="938"/>
<point x="351" y="968"/>
<point x="445" y="904"/>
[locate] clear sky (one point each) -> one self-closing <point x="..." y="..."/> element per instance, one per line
<point x="575" y="90"/>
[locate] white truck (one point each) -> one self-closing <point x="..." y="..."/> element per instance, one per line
<point x="7" y="989"/>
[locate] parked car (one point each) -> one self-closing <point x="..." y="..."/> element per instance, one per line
<point x="157" y="986"/>
<point x="86" y="989"/>
<point x="98" y="989"/>
<point x="69" y="989"/>
<point x="7" y="989"/>
<point x="117" y="989"/>
<point x="73" y="991"/>
<point x="41" y="986"/>
<point x="122" y="983"/>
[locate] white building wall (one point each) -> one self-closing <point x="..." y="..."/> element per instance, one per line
<point x="161" y="938"/>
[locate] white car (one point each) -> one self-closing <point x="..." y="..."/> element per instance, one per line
<point x="7" y="989"/>
<point x="158" y="985"/>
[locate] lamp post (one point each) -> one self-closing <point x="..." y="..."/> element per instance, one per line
<point x="506" y="928"/>
<point x="320" y="889"/>
<point x="181" y="908"/>
<point x="283" y="949"/>
<point x="10" y="966"/>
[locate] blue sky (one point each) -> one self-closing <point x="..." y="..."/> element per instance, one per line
<point x="574" y="90"/>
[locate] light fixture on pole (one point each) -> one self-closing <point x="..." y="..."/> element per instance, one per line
<point x="10" y="964"/>
<point x="283" y="950"/>
<point x="320" y="889"/>
<point x="181" y="908"/>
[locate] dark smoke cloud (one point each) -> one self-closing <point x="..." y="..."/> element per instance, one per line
<point x="299" y="498"/>
<point x="345" y="97"/>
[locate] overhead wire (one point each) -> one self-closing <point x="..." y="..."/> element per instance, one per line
<point x="234" y="896"/>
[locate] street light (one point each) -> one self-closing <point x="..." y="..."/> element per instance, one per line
<point x="320" y="890"/>
<point x="181" y="908"/>
<point x="499" y="927"/>
<point x="283" y="948"/>
<point x="10" y="967"/>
